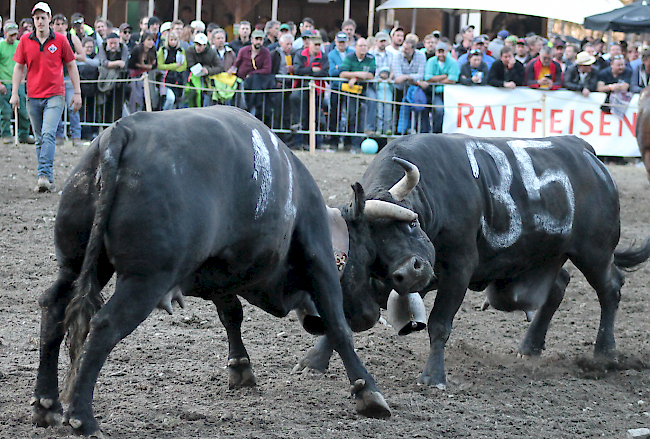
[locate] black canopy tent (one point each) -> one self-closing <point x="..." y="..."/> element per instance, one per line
<point x="632" y="18"/>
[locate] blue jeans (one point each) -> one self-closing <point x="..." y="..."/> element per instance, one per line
<point x="73" y="116"/>
<point x="45" y="115"/>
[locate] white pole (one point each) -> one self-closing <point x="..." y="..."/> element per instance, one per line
<point x="371" y="17"/>
<point x="346" y="10"/>
<point x="414" y="18"/>
<point x="274" y="10"/>
<point x="147" y="92"/>
<point x="104" y="9"/>
<point x="16" y="125"/>
<point x="312" y="117"/>
<point x="150" y="10"/>
<point x="12" y="11"/>
<point x="198" y="9"/>
<point x="175" y="9"/>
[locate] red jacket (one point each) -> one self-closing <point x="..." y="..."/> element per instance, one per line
<point x="532" y="72"/>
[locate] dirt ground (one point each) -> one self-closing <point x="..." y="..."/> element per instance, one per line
<point x="168" y="379"/>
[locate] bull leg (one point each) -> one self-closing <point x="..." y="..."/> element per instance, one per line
<point x="231" y="314"/>
<point x="607" y="283"/>
<point x="453" y="283"/>
<point x="317" y="358"/>
<point x="535" y="338"/>
<point x="47" y="410"/>
<point x="134" y="299"/>
<point x="369" y="400"/>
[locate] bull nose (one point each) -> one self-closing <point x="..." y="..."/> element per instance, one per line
<point x="413" y="272"/>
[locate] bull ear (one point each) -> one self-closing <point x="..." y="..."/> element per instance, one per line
<point x="340" y="238"/>
<point x="359" y="203"/>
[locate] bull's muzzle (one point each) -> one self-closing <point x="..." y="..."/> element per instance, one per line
<point x="412" y="275"/>
<point x="406" y="313"/>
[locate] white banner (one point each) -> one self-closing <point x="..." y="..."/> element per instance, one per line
<point x="525" y="112"/>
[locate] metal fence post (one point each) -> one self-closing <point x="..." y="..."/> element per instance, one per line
<point x="147" y="91"/>
<point x="543" y="114"/>
<point x="312" y="117"/>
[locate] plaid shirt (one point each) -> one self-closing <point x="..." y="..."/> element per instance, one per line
<point x="415" y="68"/>
<point x="383" y="59"/>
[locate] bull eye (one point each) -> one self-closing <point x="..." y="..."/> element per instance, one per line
<point x="413" y="224"/>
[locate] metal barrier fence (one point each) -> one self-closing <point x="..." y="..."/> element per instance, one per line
<point x="338" y="116"/>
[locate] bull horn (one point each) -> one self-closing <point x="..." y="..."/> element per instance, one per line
<point x="402" y="188"/>
<point x="377" y="209"/>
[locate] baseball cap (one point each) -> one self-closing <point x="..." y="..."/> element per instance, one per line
<point x="125" y="26"/>
<point x="503" y="34"/>
<point x="11" y="28"/>
<point x="585" y="59"/>
<point x="307" y="34"/>
<point x="521" y="41"/>
<point x="381" y="36"/>
<point x="198" y="25"/>
<point x="316" y="38"/>
<point x="285" y="26"/>
<point x="436" y="33"/>
<point x="112" y="35"/>
<point x="466" y="28"/>
<point x="341" y="36"/>
<point x="257" y="34"/>
<point x="166" y="26"/>
<point x="42" y="6"/>
<point x="441" y="46"/>
<point x="559" y="43"/>
<point x="200" y="38"/>
<point x="478" y="40"/>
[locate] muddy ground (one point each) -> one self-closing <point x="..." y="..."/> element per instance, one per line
<point x="167" y="379"/>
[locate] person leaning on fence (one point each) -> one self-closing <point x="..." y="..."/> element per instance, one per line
<point x="613" y="79"/>
<point x="7" y="50"/>
<point x="443" y="69"/>
<point x="475" y="71"/>
<point x="357" y="68"/>
<point x="335" y="57"/>
<point x="45" y="91"/>
<point x="60" y="25"/>
<point x="582" y="76"/>
<point x="142" y="60"/>
<point x="113" y="58"/>
<point x="282" y="64"/>
<point x="253" y="66"/>
<point x="203" y="62"/>
<point x="506" y="71"/>
<point x="309" y="61"/>
<point x="544" y="73"/>
<point x="172" y="62"/>
<point x="409" y="71"/>
<point x="89" y="73"/>
<point x="641" y="73"/>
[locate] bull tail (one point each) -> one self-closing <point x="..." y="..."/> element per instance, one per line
<point x="632" y="256"/>
<point x="86" y="296"/>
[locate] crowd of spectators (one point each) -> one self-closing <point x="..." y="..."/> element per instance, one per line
<point x="193" y="65"/>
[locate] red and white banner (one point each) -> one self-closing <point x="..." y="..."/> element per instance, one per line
<point x="525" y="112"/>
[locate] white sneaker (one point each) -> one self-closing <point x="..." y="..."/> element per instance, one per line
<point x="43" y="185"/>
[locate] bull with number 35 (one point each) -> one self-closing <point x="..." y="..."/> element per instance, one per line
<point x="502" y="215"/>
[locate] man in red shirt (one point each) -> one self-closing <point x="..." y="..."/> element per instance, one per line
<point x="43" y="53"/>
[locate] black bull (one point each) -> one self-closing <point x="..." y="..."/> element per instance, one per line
<point x="203" y="202"/>
<point x="502" y="215"/>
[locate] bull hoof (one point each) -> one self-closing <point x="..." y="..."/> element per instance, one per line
<point x="427" y="380"/>
<point x="526" y="350"/>
<point x="240" y="373"/>
<point x="369" y="403"/>
<point x="86" y="429"/>
<point x="315" y="361"/>
<point x="47" y="412"/>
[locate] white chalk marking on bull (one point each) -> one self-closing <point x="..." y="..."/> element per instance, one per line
<point x="500" y="194"/>
<point x="533" y="185"/>
<point x="274" y="140"/>
<point x="289" y="208"/>
<point x="261" y="171"/>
